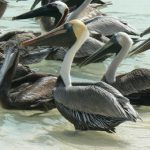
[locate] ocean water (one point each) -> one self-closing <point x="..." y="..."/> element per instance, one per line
<point x="50" y="131"/>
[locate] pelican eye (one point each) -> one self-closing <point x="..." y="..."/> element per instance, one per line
<point x="68" y="26"/>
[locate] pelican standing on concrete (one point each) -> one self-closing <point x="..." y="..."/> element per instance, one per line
<point x="136" y="84"/>
<point x="88" y="107"/>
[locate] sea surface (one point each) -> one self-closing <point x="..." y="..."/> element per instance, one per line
<point x="22" y="130"/>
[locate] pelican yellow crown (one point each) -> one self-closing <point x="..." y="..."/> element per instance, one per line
<point x="79" y="27"/>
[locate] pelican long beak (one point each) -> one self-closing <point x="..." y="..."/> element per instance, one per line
<point x="47" y="10"/>
<point x="61" y="36"/>
<point x="9" y="64"/>
<point x="141" y="48"/>
<point x="147" y="31"/>
<point x="100" y="53"/>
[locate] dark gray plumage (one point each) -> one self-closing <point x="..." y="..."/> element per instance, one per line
<point x="134" y="84"/>
<point x="88" y="48"/>
<point x="94" y="107"/>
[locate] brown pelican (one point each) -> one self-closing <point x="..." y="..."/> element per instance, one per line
<point x="91" y="44"/>
<point x="57" y="9"/>
<point x="71" y="4"/>
<point x="105" y="25"/>
<point x="27" y="55"/>
<point x="29" y="90"/>
<point x="47" y="23"/>
<point x="21" y="71"/>
<point x="89" y="107"/>
<point x="33" y="91"/>
<point x="136" y="84"/>
<point x="3" y="6"/>
<point x="88" y="47"/>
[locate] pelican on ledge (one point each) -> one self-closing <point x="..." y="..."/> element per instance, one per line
<point x="96" y="106"/>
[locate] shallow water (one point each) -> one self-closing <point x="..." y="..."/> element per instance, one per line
<point x="50" y="131"/>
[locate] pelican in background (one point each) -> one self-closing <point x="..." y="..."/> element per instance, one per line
<point x="32" y="91"/>
<point x="136" y="84"/>
<point x="88" y="12"/>
<point x="3" y="6"/>
<point x="88" y="107"/>
<point x="47" y="23"/>
<point x="105" y="25"/>
<point x="91" y="45"/>
<point x="88" y="48"/>
<point x="71" y="4"/>
<point x="57" y="9"/>
<point x="27" y="55"/>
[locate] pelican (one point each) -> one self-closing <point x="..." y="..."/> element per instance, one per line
<point x="136" y="84"/>
<point x="71" y="4"/>
<point x="27" y="55"/>
<point x="88" y="107"/>
<point x="21" y="71"/>
<point x="32" y="91"/>
<point x="3" y="6"/>
<point x="88" y="48"/>
<point x="91" y="44"/>
<point x="105" y="25"/>
<point x="57" y="9"/>
<point x="47" y="23"/>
